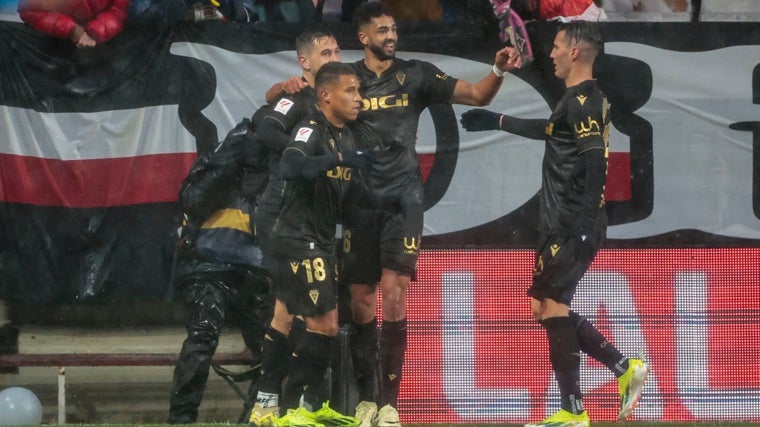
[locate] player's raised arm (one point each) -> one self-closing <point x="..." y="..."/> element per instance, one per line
<point x="483" y="92"/>
<point x="290" y="86"/>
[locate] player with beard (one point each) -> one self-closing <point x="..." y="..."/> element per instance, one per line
<point x="572" y="221"/>
<point x="381" y="245"/>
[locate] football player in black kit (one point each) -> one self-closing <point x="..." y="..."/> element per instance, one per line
<point x="572" y="220"/>
<point x="315" y="47"/>
<point x="381" y="245"/>
<point x="317" y="167"/>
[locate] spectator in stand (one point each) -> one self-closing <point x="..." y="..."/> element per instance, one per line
<point x="303" y="11"/>
<point x="565" y="10"/>
<point x="459" y="11"/>
<point x="348" y="7"/>
<point x="419" y="10"/>
<point x="84" y="22"/>
<point x="660" y="6"/>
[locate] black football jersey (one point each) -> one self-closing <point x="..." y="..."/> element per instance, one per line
<point x="392" y="104"/>
<point x="579" y="122"/>
<point x="312" y="208"/>
<point x="286" y="112"/>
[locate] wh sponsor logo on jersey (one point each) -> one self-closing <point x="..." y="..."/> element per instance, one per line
<point x="412" y="244"/>
<point x="588" y="127"/>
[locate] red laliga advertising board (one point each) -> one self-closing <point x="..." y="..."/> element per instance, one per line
<point x="476" y="356"/>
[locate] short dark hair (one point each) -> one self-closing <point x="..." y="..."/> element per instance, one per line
<point x="330" y="73"/>
<point x="369" y="10"/>
<point x="310" y="35"/>
<point x="576" y="31"/>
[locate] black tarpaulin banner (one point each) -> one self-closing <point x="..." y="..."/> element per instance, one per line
<point x="94" y="143"/>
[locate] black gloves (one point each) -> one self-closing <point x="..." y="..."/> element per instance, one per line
<point x="480" y="119"/>
<point x="356" y="159"/>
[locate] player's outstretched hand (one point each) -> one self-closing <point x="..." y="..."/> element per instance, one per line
<point x="356" y="159"/>
<point x="480" y="119"/>
<point x="508" y="59"/>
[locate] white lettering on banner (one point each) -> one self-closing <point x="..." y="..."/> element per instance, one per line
<point x="702" y="169"/>
<point x="462" y="393"/>
<point x="235" y="97"/>
<point x="611" y="291"/>
<point x="692" y="362"/>
<point x="465" y="204"/>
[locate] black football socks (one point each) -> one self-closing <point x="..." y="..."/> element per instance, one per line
<point x="564" y="354"/>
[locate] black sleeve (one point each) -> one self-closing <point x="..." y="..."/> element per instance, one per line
<point x="296" y="164"/>
<point x="439" y="86"/>
<point x="595" y="165"/>
<point x="528" y="128"/>
<point x="271" y="134"/>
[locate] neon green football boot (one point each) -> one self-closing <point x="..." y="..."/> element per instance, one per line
<point x="630" y="385"/>
<point x="563" y="418"/>
<point x="332" y="418"/>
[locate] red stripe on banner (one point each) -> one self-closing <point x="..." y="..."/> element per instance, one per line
<point x="93" y="183"/>
<point x="426" y="164"/>
<point x="618" y="177"/>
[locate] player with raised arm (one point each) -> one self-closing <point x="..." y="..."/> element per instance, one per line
<point x="381" y="245"/>
<point x="572" y="220"/>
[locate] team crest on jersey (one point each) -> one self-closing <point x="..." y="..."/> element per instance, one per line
<point x="581" y="99"/>
<point x="442" y="76"/>
<point x="314" y="295"/>
<point x="401" y="77"/>
<point x="303" y="134"/>
<point x="554" y="249"/>
<point x="283" y="106"/>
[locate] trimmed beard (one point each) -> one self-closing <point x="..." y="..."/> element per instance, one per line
<point x="380" y="53"/>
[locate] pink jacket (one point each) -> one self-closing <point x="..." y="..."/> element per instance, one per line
<point x="67" y="19"/>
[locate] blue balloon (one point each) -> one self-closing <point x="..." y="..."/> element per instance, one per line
<point x="19" y="406"/>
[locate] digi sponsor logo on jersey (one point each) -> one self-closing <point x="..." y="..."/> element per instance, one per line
<point x="383" y="102"/>
<point x="340" y="172"/>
